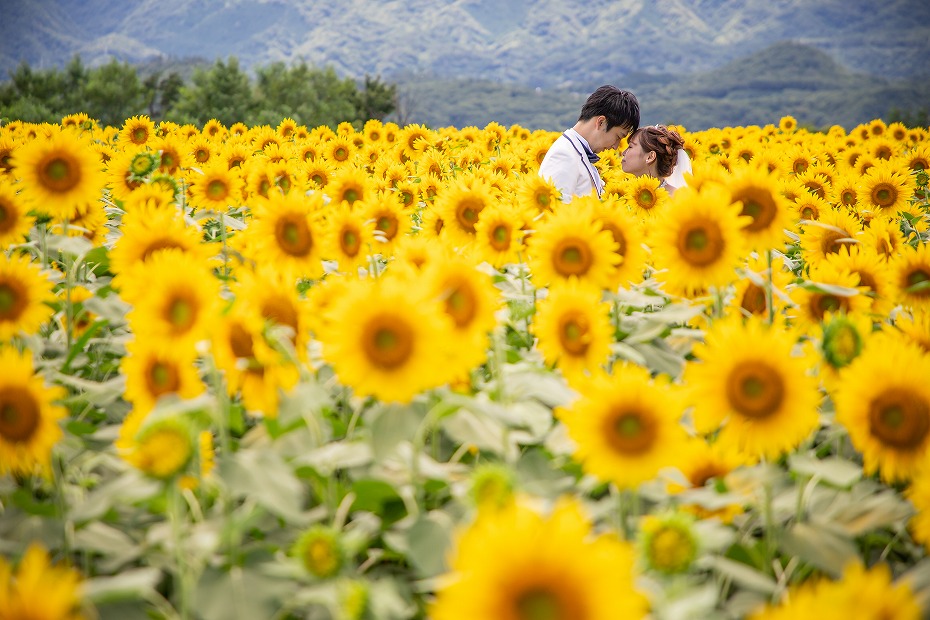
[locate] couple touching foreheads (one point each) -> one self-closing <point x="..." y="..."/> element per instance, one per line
<point x="607" y="117"/>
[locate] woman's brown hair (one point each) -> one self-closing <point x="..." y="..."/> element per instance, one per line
<point x="662" y="141"/>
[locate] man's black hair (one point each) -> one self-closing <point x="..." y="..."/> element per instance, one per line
<point x="620" y="107"/>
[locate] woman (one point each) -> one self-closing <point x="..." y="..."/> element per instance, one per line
<point x="657" y="151"/>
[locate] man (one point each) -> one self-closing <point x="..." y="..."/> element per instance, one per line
<point x="607" y="117"/>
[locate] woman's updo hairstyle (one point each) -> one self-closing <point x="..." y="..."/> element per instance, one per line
<point x="662" y="141"/>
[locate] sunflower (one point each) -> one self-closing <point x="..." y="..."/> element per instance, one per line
<point x="915" y="326"/>
<point x="751" y="294"/>
<point x="174" y="296"/>
<point x="269" y="293"/>
<point x="707" y="465"/>
<point x="569" y="242"/>
<point x="146" y="231"/>
<point x="214" y="128"/>
<point x="89" y="221"/>
<point x="845" y="191"/>
<point x="815" y="182"/>
<point x="757" y="193"/>
<point x="415" y="139"/>
<point x="863" y="593"/>
<point x="252" y="368"/>
<point x="155" y="368"/>
<point x="797" y="158"/>
<point x="431" y="162"/>
<point x="468" y="297"/>
<point x="918" y="492"/>
<point x="259" y="178"/>
<point x="137" y="131"/>
<point x="910" y="277"/>
<point x="808" y="207"/>
<point x="39" y="589"/>
<point x="884" y="189"/>
<point x="834" y="229"/>
<point x="513" y="562"/>
<point x="391" y="172"/>
<point x="391" y="348"/>
<point x="645" y="197"/>
<point x="217" y="188"/>
<point x="29" y="424"/>
<point x="286" y="231"/>
<point x="318" y="173"/>
<point x="15" y="221"/>
<point x="24" y="295"/>
<point x="830" y="287"/>
<point x="628" y="233"/>
<point x="573" y="329"/>
<point x="7" y="147"/>
<point x="840" y="340"/>
<point x="918" y="158"/>
<point x="884" y="235"/>
<point x="626" y="426"/>
<point x="536" y="194"/>
<point x="58" y="173"/>
<point x="235" y="154"/>
<point x="499" y="235"/>
<point x="407" y="193"/>
<point x="339" y="150"/>
<point x="873" y="271"/>
<point x="391" y="220"/>
<point x="349" y="184"/>
<point x="200" y="151"/>
<point x="668" y="543"/>
<point x="698" y="244"/>
<point x="747" y="382"/>
<point x="789" y="187"/>
<point x="160" y="447"/>
<point x="154" y="195"/>
<point x="348" y="238"/>
<point x="459" y="205"/>
<point x="787" y="123"/>
<point x="414" y="253"/>
<point x="262" y="136"/>
<point x="120" y="180"/>
<point x="321" y="551"/>
<point x="882" y="148"/>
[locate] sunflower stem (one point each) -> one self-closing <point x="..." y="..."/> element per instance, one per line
<point x="497" y="365"/>
<point x="769" y="288"/>
<point x="58" y="473"/>
<point x="768" y="519"/>
<point x="223" y="412"/>
<point x="182" y="570"/>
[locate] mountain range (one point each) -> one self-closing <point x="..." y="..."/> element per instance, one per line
<point x="534" y="42"/>
<point x="672" y="49"/>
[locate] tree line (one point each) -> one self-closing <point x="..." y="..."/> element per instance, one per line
<point x="113" y="92"/>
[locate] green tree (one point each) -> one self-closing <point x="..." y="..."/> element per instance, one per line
<point x="113" y="93"/>
<point x="222" y="92"/>
<point x="43" y="96"/>
<point x="161" y="93"/>
<point x="376" y="100"/>
<point x="310" y="96"/>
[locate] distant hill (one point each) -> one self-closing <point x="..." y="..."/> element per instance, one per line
<point x="785" y="78"/>
<point x="545" y="43"/>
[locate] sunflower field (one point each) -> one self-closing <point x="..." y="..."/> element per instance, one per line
<point x="386" y="373"/>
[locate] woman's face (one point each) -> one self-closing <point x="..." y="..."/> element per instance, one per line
<point x="635" y="160"/>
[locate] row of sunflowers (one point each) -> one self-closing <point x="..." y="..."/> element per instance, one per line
<point x="280" y="372"/>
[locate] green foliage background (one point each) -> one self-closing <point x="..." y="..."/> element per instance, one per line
<point x="784" y="79"/>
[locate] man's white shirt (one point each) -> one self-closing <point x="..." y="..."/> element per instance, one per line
<point x="567" y="166"/>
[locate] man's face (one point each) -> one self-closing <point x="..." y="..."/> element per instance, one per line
<point x="607" y="138"/>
